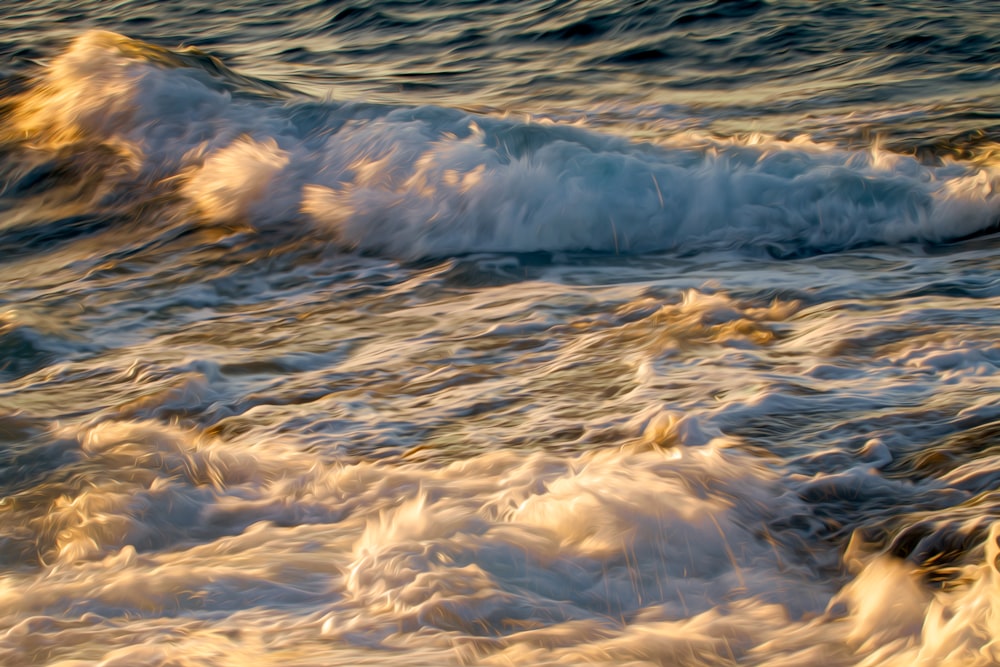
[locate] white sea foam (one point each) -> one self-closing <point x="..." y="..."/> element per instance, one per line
<point x="639" y="556"/>
<point x="424" y="182"/>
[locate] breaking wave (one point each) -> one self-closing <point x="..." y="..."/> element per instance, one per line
<point x="417" y="182"/>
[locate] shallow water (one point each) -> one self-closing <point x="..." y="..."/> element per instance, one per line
<point x="509" y="333"/>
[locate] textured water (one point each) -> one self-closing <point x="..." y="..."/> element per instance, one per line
<point x="509" y="333"/>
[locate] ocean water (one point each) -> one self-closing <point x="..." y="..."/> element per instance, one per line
<point x="499" y="333"/>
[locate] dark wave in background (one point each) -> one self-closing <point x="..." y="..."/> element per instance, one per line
<point x="735" y="66"/>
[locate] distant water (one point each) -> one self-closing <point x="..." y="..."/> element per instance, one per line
<point x="504" y="333"/>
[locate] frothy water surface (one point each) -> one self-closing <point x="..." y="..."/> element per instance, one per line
<point x="492" y="334"/>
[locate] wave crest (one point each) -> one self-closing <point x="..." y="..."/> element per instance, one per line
<point x="424" y="182"/>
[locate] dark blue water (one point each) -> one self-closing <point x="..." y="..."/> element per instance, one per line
<point x="534" y="333"/>
<point x="736" y="66"/>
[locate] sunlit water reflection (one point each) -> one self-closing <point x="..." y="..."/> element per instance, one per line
<point x="286" y="380"/>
